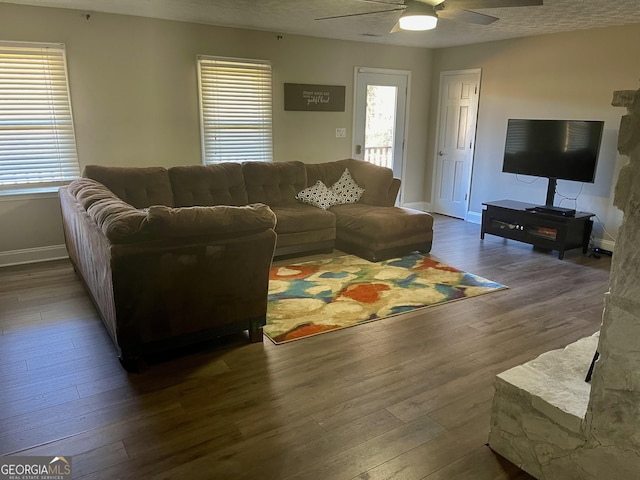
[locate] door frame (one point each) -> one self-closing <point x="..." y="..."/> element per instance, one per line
<point x="405" y="137"/>
<point x="469" y="71"/>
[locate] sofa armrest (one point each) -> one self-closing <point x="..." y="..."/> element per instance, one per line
<point x="118" y="220"/>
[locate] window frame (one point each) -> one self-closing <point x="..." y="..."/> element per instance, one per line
<point x="35" y="143"/>
<point x="258" y="94"/>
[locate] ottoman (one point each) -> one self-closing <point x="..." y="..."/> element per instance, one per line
<point x="379" y="233"/>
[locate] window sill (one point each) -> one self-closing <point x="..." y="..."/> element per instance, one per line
<point x="28" y="194"/>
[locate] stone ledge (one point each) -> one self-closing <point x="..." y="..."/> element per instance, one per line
<point x="539" y="407"/>
<point x="554" y="382"/>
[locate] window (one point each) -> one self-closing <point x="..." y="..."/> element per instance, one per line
<point x="37" y="140"/>
<point x="235" y="109"/>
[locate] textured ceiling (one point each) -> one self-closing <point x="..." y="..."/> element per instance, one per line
<point x="298" y="17"/>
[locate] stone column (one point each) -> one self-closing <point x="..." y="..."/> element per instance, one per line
<point x="545" y="419"/>
<point x="613" y="414"/>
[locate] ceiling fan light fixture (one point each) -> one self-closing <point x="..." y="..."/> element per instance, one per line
<point x="418" y="17"/>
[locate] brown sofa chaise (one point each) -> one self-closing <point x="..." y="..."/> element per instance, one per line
<point x="173" y="256"/>
<point x="373" y="228"/>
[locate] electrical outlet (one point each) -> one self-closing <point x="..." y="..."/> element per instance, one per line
<point x="341" y="132"/>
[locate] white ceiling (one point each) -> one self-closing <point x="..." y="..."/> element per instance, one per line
<point x="298" y="17"/>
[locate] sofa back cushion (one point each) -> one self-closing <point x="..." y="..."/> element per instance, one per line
<point x="208" y="185"/>
<point x="138" y="186"/>
<point x="274" y="183"/>
<point x="379" y="186"/>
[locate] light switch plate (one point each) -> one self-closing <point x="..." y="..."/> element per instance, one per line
<point x="341" y="132"/>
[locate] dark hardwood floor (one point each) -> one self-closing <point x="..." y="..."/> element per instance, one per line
<point x="403" y="398"/>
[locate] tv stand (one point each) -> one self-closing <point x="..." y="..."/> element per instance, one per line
<point x="519" y="221"/>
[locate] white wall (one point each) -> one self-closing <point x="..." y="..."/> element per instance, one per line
<point x="134" y="97"/>
<point x="569" y="75"/>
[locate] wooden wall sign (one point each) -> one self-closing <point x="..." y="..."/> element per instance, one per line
<point x="314" y="98"/>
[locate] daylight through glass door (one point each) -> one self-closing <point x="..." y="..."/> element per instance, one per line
<point x="380" y="125"/>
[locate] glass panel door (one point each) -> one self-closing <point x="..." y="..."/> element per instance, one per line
<point x="379" y="117"/>
<point x="380" y="125"/>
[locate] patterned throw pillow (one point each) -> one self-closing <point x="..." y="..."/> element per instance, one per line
<point x="347" y="189"/>
<point x="319" y="196"/>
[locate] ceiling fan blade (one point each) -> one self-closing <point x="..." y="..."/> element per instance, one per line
<point x="480" y="4"/>
<point x="360" y="14"/>
<point x="467" y="16"/>
<point x="396" y="28"/>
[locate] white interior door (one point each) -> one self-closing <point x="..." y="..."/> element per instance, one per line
<point x="380" y="110"/>
<point x="457" y="118"/>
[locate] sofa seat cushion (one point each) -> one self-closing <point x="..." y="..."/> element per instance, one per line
<point x="303" y="229"/>
<point x="199" y="185"/>
<point x="217" y="221"/>
<point x="138" y="186"/>
<point x="299" y="218"/>
<point x="377" y="233"/>
<point x="383" y="223"/>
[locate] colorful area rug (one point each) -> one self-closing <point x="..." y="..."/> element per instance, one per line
<point x="319" y="296"/>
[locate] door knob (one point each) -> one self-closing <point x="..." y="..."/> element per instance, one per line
<point x="441" y="153"/>
<point x="358" y="149"/>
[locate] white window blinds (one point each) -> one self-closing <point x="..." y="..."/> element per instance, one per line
<point x="37" y="140"/>
<point x="235" y="109"/>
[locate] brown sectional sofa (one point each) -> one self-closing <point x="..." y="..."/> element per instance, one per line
<point x="173" y="256"/>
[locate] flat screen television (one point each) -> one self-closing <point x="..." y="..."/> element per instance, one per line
<point x="555" y="149"/>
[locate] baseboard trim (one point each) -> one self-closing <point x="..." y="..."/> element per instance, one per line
<point x="32" y="255"/>
<point x="474" y="217"/>
<point x="422" y="206"/>
<point x="605" y="244"/>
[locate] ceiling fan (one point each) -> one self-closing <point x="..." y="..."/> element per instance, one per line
<point x="424" y="14"/>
